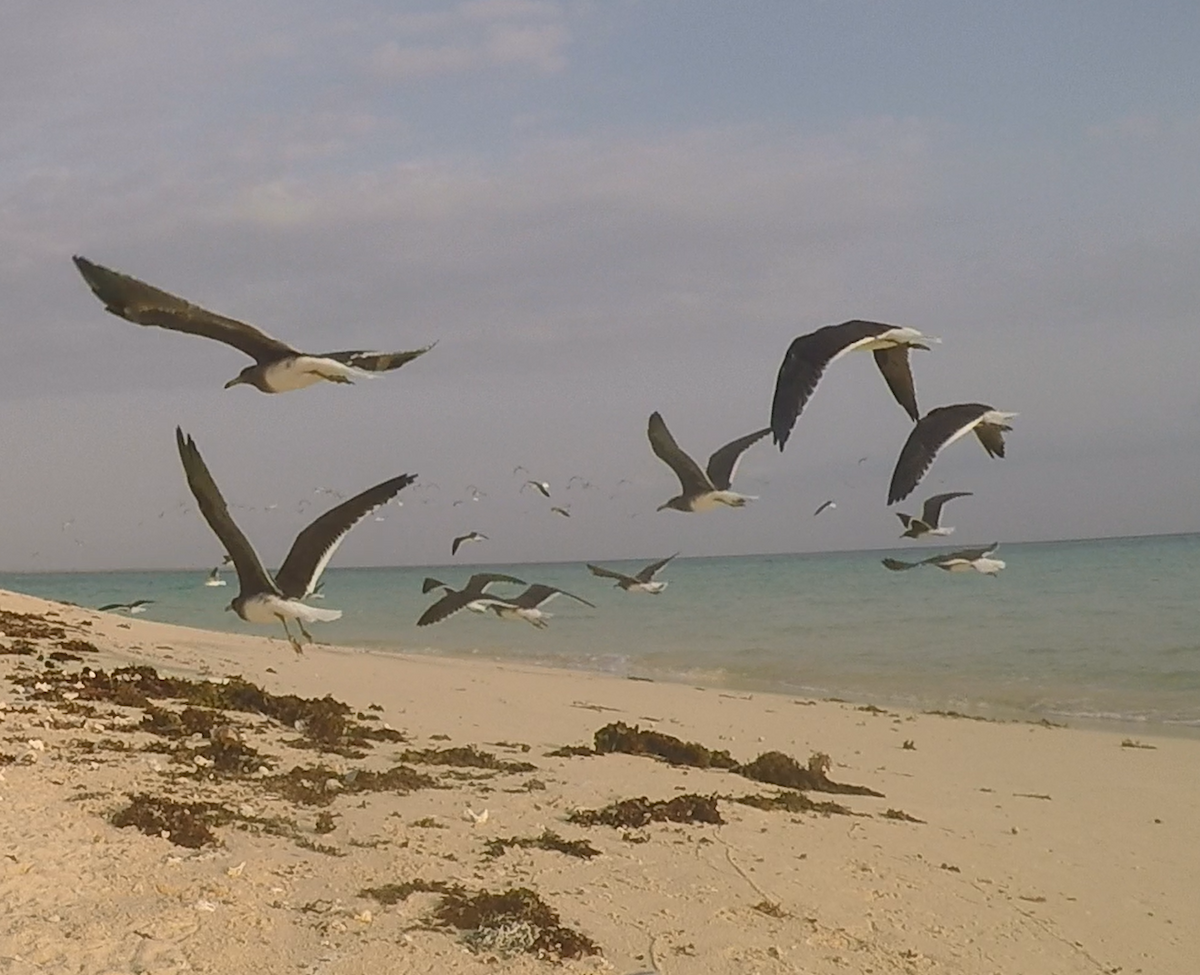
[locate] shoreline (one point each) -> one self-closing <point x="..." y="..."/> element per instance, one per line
<point x="983" y="847"/>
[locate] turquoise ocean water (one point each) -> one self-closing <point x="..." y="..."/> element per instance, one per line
<point x="1083" y="631"/>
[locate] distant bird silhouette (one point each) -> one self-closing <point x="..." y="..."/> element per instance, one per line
<point x="278" y="368"/>
<point x="641" y="581"/>
<point x="827" y="504"/>
<point x="701" y="490"/>
<point x="133" y="608"/>
<point x="560" y="511"/>
<point x="474" y="595"/>
<point x="463" y="539"/>
<point x="936" y="430"/>
<point x="541" y="486"/>
<point x="809" y="355"/>
<point x="931" y="513"/>
<point x="964" y="560"/>
<point x="260" y="598"/>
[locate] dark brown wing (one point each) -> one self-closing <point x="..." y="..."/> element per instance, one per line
<point x="448" y="605"/>
<point x="604" y="573"/>
<point x="314" y="547"/>
<point x="431" y="583"/>
<point x="650" y="571"/>
<point x="893" y="363"/>
<point x="722" y="465"/>
<point x="804" y="364"/>
<point x="537" y="594"/>
<point x="481" y="580"/>
<point x="252" y="577"/>
<point x="932" y="432"/>
<point x="932" y="511"/>
<point x="691" y="478"/>
<point x="897" y="566"/>
<point x="143" y="304"/>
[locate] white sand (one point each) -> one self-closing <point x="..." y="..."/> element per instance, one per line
<point x="1043" y="850"/>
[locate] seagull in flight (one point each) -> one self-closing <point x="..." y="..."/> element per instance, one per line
<point x="822" y="507"/>
<point x="260" y="598"/>
<point x="701" y="490"/>
<point x="931" y="514"/>
<point x="809" y="355"/>
<point x="936" y="430"/>
<point x="278" y="368"/>
<point x="133" y="608"/>
<point x="526" y="606"/>
<point x="474" y="596"/>
<point x="463" y="539"/>
<point x="641" y="581"/>
<point x="214" y="578"/>
<point x="964" y="560"/>
<point x="542" y="486"/>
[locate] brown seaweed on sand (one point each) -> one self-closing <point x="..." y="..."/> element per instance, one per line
<point x="634" y="813"/>
<point x="548" y="840"/>
<point x="620" y="737"/>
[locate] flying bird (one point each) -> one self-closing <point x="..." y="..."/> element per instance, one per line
<point x="827" y="504"/>
<point x="560" y="511"/>
<point x="468" y="537"/>
<point x="278" y="368"/>
<point x="260" y="598"/>
<point x="474" y="596"/>
<point x="526" y="606"/>
<point x="809" y="355"/>
<point x="641" y="581"/>
<point x="931" y="513"/>
<point x="936" y="430"/>
<point x="133" y="608"/>
<point x="701" y="490"/>
<point x="963" y="560"/>
<point x="214" y="578"/>
<point x="542" y="486"/>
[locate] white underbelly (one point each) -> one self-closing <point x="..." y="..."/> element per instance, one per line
<point x="305" y="370"/>
<point x="268" y="608"/>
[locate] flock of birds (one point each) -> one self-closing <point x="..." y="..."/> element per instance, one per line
<point x="279" y="368"/>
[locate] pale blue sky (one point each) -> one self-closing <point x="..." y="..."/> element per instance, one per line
<point x="598" y="210"/>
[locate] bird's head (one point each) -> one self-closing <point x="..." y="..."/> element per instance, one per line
<point x="247" y="377"/>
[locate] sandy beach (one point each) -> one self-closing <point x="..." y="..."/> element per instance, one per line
<point x="311" y="838"/>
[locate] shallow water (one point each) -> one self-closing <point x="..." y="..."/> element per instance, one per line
<point x="1082" y="631"/>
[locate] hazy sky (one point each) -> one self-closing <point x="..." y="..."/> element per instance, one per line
<point x="597" y="209"/>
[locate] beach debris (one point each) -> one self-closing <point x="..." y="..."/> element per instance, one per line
<point x="635" y="813"/>
<point x="909" y="745"/>
<point x="1133" y="743"/>
<point x="901" y="815"/>
<point x="466" y="756"/>
<point x="548" y="840"/>
<point x="475" y="818"/>
<point x="790" y="802"/>
<point x="309" y="785"/>
<point x="776" y="768"/>
<point x="236" y="871"/>
<point x="770" y="908"/>
<point x="187" y="824"/>
<point x="510" y="922"/>
<point x="620" y="737"/>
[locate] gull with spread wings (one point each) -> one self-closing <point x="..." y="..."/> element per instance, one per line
<point x="278" y="368"/>
<point x="701" y="490"/>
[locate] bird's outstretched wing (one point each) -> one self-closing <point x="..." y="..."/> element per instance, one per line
<point x="603" y="573"/>
<point x="933" y="431"/>
<point x="376" y="361"/>
<point x="691" y="478"/>
<point x="931" y="513"/>
<point x="144" y="304"/>
<point x="314" y="547"/>
<point x="897" y="373"/>
<point x="723" y="464"/>
<point x="651" y="570"/>
<point x="252" y="577"/>
<point x="537" y="594"/>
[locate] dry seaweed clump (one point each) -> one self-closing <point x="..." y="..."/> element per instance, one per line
<point x="320" y="785"/>
<point x="548" y="840"/>
<point x="790" y="802"/>
<point x="620" y="737"/>
<point x="30" y="626"/>
<point x="467" y="756"/>
<point x="511" y="922"/>
<point x="634" y="813"/>
<point x="776" y="768"/>
<point x="389" y="894"/>
<point x="183" y="823"/>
